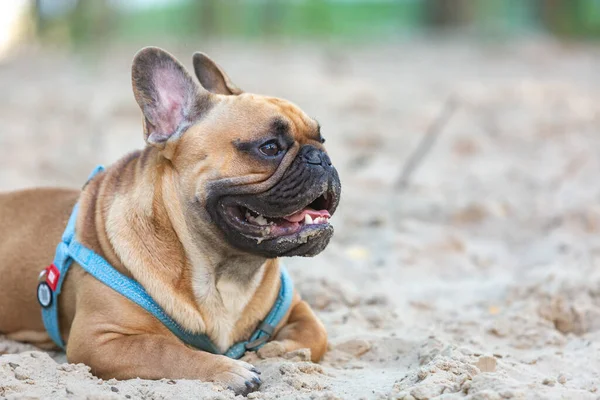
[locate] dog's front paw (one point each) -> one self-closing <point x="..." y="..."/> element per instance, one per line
<point x="272" y="349"/>
<point x="239" y="376"/>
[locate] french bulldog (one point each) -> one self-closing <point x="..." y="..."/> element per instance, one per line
<point x="226" y="184"/>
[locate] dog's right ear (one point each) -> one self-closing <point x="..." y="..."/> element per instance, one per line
<point x="212" y="77"/>
<point x="169" y="98"/>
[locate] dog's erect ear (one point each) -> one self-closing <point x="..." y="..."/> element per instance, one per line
<point x="169" y="98"/>
<point x="212" y="77"/>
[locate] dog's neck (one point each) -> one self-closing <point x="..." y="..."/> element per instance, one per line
<point x="144" y="232"/>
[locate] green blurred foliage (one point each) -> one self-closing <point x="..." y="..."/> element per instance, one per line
<point x="99" y="20"/>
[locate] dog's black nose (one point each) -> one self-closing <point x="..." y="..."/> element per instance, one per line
<point x="314" y="156"/>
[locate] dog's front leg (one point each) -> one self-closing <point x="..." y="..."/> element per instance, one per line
<point x="153" y="356"/>
<point x="119" y="340"/>
<point x="303" y="330"/>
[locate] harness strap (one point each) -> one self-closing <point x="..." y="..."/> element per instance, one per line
<point x="267" y="327"/>
<point x="49" y="289"/>
<point x="70" y="250"/>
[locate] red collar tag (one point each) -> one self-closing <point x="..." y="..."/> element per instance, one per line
<point x="52" y="275"/>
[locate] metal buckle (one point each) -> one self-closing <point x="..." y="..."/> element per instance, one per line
<point x="43" y="274"/>
<point x="258" y="342"/>
<point x="266" y="328"/>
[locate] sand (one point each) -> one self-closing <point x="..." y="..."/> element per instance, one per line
<point x="479" y="279"/>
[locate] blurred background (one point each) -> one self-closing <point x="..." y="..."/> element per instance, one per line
<point x="466" y="134"/>
<point x="85" y="22"/>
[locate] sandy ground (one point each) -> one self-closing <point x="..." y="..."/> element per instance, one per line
<point x="479" y="279"/>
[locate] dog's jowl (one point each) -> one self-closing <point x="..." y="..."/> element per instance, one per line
<point x="166" y="264"/>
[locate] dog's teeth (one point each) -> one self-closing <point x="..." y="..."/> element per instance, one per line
<point x="321" y="220"/>
<point x="308" y="220"/>
<point x="260" y="220"/>
<point x="325" y="195"/>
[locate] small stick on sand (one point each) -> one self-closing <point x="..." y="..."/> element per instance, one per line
<point x="426" y="143"/>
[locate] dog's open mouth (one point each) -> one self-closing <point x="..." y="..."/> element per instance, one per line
<point x="250" y="223"/>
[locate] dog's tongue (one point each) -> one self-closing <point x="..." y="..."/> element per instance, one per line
<point x="299" y="216"/>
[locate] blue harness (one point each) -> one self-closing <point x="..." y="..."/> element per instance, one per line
<point x="69" y="250"/>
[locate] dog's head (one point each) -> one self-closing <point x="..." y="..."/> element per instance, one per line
<point x="248" y="168"/>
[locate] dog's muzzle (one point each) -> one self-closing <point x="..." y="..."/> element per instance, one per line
<point x="291" y="217"/>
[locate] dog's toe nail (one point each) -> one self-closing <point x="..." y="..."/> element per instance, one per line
<point x="256" y="380"/>
<point x="255" y="371"/>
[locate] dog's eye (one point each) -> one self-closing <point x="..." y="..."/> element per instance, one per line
<point x="270" y="148"/>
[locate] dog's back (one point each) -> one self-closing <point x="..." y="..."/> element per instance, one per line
<point x="31" y="225"/>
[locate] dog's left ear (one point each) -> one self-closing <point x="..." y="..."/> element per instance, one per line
<point x="168" y="96"/>
<point x="212" y="77"/>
